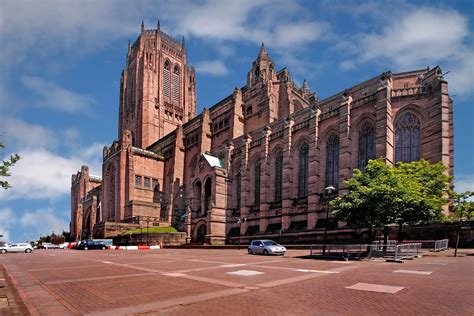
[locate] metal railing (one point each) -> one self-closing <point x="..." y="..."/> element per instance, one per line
<point x="388" y="251"/>
<point x="441" y="245"/>
<point x="407" y="251"/>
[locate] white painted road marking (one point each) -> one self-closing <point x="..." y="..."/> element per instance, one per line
<point x="245" y="272"/>
<point x="174" y="274"/>
<point x="232" y="265"/>
<point x="316" y="271"/>
<point x="413" y="272"/>
<point x="375" y="288"/>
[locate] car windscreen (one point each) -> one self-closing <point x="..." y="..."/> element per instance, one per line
<point x="270" y="243"/>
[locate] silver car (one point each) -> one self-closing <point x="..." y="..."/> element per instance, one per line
<point x="20" y="247"/>
<point x="266" y="247"/>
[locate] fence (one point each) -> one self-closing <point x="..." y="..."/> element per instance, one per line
<point x="407" y="251"/>
<point x="441" y="245"/>
<point x="389" y="251"/>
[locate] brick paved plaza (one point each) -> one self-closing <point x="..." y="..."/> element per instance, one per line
<point x="230" y="282"/>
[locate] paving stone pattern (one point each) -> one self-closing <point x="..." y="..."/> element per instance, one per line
<point x="230" y="282"/>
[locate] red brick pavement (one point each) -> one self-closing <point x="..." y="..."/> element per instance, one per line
<point x="194" y="282"/>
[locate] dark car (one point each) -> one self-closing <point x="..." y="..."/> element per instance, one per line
<point x="91" y="244"/>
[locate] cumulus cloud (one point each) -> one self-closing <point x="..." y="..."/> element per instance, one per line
<point x="42" y="174"/>
<point x="7" y="222"/>
<point x="52" y="95"/>
<point x="43" y="221"/>
<point x="464" y="183"/>
<point x="22" y="134"/>
<point x="212" y="67"/>
<point x="422" y="36"/>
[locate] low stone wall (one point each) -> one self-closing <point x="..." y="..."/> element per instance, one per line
<point x="111" y="229"/>
<point x="427" y="233"/>
<point x="166" y="239"/>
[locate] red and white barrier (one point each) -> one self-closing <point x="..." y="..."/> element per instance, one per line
<point x="135" y="247"/>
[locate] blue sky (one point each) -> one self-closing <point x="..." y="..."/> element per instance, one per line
<point x="60" y="65"/>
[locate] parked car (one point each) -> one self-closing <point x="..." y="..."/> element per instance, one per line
<point x="65" y="245"/>
<point x="19" y="247"/>
<point x="91" y="244"/>
<point x="266" y="247"/>
<point x="48" y="245"/>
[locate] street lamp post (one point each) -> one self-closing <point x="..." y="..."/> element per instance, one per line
<point x="240" y="221"/>
<point x="328" y="190"/>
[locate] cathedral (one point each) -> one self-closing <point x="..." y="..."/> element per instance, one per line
<point x="256" y="163"/>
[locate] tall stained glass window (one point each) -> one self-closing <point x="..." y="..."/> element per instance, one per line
<point x="407" y="138"/>
<point x="278" y="176"/>
<point x="366" y="145"/>
<point x="303" y="171"/>
<point x="332" y="161"/>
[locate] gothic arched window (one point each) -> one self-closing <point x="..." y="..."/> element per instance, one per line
<point x="258" y="169"/>
<point x="111" y="192"/>
<point x="166" y="79"/>
<point x="332" y="161"/>
<point x="238" y="194"/>
<point x="407" y="138"/>
<point x="366" y="144"/>
<point x="303" y="171"/>
<point x="176" y="84"/>
<point x="278" y="176"/>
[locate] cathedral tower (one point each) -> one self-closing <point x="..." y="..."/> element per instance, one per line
<point x="157" y="87"/>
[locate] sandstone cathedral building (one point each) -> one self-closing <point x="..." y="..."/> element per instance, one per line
<point x="265" y="153"/>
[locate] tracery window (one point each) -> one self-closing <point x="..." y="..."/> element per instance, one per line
<point x="407" y="138"/>
<point x="176" y="84"/>
<point x="303" y="171"/>
<point x="238" y="194"/>
<point x="166" y="79"/>
<point x="258" y="169"/>
<point x="332" y="161"/>
<point x="366" y="144"/>
<point x="278" y="176"/>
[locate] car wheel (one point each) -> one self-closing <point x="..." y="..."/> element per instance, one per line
<point x="85" y="248"/>
<point x="27" y="250"/>
<point x="4" y="251"/>
<point x="265" y="252"/>
<point x="250" y="251"/>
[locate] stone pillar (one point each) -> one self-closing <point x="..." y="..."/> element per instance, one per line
<point x="93" y="215"/>
<point x="384" y="122"/>
<point x="78" y="219"/>
<point x="287" y="201"/>
<point x="217" y="218"/>
<point x="345" y="170"/>
<point x="245" y="185"/>
<point x="265" y="180"/>
<point x="314" y="176"/>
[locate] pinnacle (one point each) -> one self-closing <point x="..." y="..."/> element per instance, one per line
<point x="263" y="51"/>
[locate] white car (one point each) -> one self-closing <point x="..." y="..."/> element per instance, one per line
<point x="266" y="247"/>
<point x="64" y="245"/>
<point x="48" y="245"/>
<point x="20" y="247"/>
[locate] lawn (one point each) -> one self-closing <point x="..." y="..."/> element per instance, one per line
<point x="152" y="230"/>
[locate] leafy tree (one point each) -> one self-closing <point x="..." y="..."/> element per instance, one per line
<point x="382" y="195"/>
<point x="463" y="207"/>
<point x="424" y="188"/>
<point x="5" y="165"/>
<point x="371" y="197"/>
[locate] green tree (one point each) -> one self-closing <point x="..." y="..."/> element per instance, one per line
<point x="424" y="188"/>
<point x="5" y="165"/>
<point x="463" y="206"/>
<point x="382" y="195"/>
<point x="370" y="198"/>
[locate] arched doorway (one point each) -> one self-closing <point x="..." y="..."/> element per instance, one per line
<point x="201" y="233"/>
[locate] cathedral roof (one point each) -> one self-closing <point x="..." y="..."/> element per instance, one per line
<point x="213" y="161"/>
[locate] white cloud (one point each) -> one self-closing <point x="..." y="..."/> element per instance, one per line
<point x="463" y="183"/>
<point x="43" y="221"/>
<point x="41" y="174"/>
<point x="212" y="67"/>
<point x="21" y="134"/>
<point x="56" y="97"/>
<point x="423" y="36"/>
<point x="7" y="222"/>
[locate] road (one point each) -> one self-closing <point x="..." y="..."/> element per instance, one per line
<point x="230" y="282"/>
